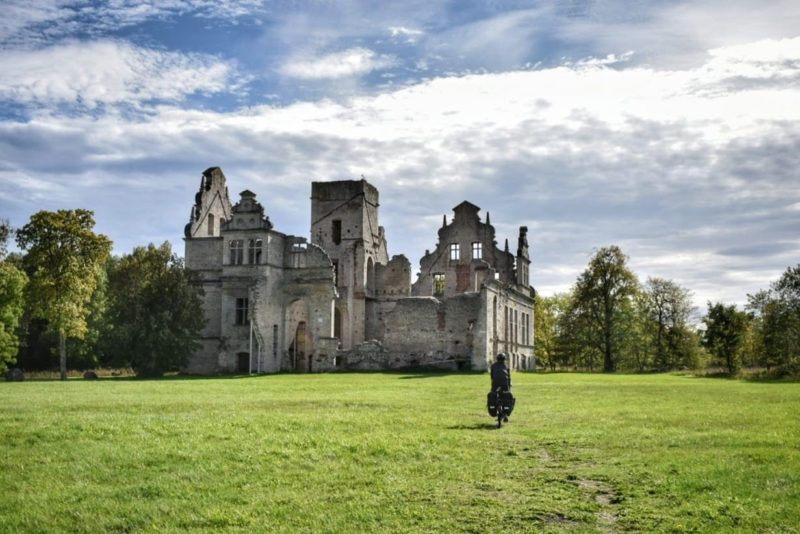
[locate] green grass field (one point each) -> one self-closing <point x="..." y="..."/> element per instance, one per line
<point x="400" y="452"/>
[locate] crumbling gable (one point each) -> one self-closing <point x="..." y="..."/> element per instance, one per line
<point x="211" y="206"/>
<point x="466" y="256"/>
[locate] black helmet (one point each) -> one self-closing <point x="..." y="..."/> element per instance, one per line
<point x="501" y="357"/>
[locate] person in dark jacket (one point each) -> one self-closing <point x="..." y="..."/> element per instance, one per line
<point x="501" y="375"/>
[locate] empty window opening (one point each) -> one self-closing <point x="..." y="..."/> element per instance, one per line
<point x="505" y="324"/>
<point x="477" y="251"/>
<point x="254" y="251"/>
<point x="336" y="231"/>
<point x="242" y="362"/>
<point x="455" y="252"/>
<point x="237" y="252"/>
<point x="242" y="315"/>
<point x="210" y="224"/>
<point x="438" y="284"/>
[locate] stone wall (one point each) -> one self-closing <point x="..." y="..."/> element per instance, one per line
<point x="394" y="278"/>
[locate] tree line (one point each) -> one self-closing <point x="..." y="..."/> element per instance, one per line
<point x="610" y="321"/>
<point x="64" y="293"/>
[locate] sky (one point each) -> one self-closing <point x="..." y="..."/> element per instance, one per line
<point x="670" y="129"/>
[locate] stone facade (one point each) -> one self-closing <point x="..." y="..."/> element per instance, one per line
<point x="275" y="302"/>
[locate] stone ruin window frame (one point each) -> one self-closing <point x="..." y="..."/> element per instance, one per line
<point x="254" y="248"/>
<point x="477" y="250"/>
<point x="336" y="231"/>
<point x="455" y="251"/>
<point x="242" y="311"/>
<point x="210" y="224"/>
<point x="439" y="284"/>
<point x="237" y="251"/>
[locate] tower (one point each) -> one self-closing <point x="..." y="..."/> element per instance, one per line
<point x="344" y="222"/>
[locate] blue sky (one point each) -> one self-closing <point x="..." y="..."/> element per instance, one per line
<point x="671" y="129"/>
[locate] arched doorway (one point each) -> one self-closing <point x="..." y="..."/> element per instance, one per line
<point x="299" y="339"/>
<point x="301" y="355"/>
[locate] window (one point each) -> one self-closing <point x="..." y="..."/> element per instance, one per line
<point x="242" y="316"/>
<point x="210" y="224"/>
<point x="477" y="251"/>
<point x="455" y="252"/>
<point x="336" y="231"/>
<point x="438" y="284"/>
<point x="254" y="251"/>
<point x="527" y="328"/>
<point x="237" y="252"/>
<point x="275" y="341"/>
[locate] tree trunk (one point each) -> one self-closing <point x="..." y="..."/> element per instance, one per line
<point x="62" y="354"/>
<point x="608" y="354"/>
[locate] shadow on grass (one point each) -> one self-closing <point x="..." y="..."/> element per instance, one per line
<point x="413" y="373"/>
<point x="474" y="426"/>
<point x="751" y="377"/>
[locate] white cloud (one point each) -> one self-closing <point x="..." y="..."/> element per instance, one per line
<point x="409" y="35"/>
<point x="19" y="15"/>
<point x="587" y="155"/>
<point x="351" y="62"/>
<point x="108" y="72"/>
<point x="678" y="34"/>
<point x="25" y="22"/>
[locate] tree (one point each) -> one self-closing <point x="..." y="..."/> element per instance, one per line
<point x="5" y="233"/>
<point x="154" y="312"/>
<point x="64" y="259"/>
<point x="547" y="311"/>
<point x="602" y="294"/>
<point x="777" y="322"/>
<point x="725" y="334"/>
<point x="667" y="308"/>
<point x="91" y="350"/>
<point x="12" y="302"/>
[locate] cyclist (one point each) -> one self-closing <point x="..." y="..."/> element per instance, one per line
<point x="501" y="375"/>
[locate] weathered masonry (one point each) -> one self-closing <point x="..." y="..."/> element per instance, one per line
<point x="275" y="302"/>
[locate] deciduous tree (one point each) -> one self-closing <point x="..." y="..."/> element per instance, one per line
<point x="547" y="311"/>
<point x="64" y="259"/>
<point x="725" y="332"/>
<point x="667" y="308"/>
<point x="777" y="322"/>
<point x="154" y="312"/>
<point x="602" y="293"/>
<point x="12" y="303"/>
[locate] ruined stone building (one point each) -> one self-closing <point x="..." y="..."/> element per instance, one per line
<point x="275" y="302"/>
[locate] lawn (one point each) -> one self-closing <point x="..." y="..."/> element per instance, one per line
<point x="400" y="452"/>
